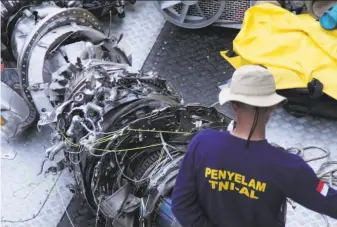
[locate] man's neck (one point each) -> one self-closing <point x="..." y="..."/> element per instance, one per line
<point x="242" y="131"/>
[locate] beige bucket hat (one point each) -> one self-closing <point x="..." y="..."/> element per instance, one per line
<point x="253" y="85"/>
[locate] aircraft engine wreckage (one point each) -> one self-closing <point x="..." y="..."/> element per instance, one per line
<point x="124" y="137"/>
<point x="122" y="134"/>
<point x="49" y="44"/>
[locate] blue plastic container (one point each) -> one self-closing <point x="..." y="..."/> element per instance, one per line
<point x="328" y="20"/>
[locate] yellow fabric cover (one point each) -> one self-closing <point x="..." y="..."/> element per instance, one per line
<point x="294" y="47"/>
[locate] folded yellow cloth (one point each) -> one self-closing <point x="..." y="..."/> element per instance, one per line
<point x="294" y="47"/>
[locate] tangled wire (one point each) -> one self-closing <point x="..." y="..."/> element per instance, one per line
<point x="326" y="172"/>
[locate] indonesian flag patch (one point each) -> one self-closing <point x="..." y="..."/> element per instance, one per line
<point x="322" y="188"/>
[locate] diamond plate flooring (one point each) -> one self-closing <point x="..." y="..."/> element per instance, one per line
<point x="191" y="60"/>
<point x="140" y="29"/>
<point x="31" y="201"/>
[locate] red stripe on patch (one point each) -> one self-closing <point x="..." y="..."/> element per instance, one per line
<point x="320" y="186"/>
<point x="2" y="67"/>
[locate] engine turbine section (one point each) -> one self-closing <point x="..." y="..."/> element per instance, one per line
<point x="124" y="136"/>
<point x="50" y="45"/>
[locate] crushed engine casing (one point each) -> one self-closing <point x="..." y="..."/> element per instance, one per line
<point x="49" y="44"/>
<point x="126" y="163"/>
<point x="122" y="134"/>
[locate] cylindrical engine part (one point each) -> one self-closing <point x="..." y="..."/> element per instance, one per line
<point x="27" y="22"/>
<point x="34" y="23"/>
<point x="46" y="40"/>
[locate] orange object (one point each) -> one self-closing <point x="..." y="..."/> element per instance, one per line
<point x="2" y="121"/>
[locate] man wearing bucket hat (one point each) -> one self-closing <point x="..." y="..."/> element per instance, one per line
<point x="236" y="178"/>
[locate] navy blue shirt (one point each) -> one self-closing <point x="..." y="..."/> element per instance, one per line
<point x="223" y="183"/>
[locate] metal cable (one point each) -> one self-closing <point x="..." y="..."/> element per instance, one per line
<point x="326" y="176"/>
<point x="293" y="150"/>
<point x="331" y="179"/>
<point x="64" y="206"/>
<point x="40" y="209"/>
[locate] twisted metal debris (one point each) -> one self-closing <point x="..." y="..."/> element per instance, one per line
<point x="122" y="134"/>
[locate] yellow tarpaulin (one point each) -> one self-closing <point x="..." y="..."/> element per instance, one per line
<point x="294" y="47"/>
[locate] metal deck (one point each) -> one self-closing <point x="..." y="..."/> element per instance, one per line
<point x="190" y="59"/>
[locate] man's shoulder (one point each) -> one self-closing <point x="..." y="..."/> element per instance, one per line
<point x="210" y="139"/>
<point x="208" y="133"/>
<point x="285" y="154"/>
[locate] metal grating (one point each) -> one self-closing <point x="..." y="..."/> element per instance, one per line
<point x="209" y="9"/>
<point x="234" y="10"/>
